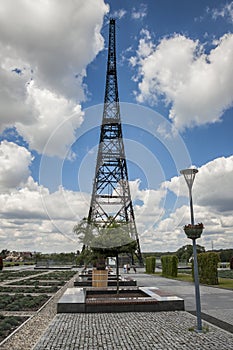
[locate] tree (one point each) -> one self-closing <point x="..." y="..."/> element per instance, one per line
<point x="112" y="241"/>
<point x="186" y="252"/>
<point x="4" y="253"/>
<point x="102" y="242"/>
<point x="85" y="232"/>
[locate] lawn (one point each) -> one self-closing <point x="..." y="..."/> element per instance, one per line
<point x="224" y="282"/>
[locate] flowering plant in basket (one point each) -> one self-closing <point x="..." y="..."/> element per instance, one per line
<point x="193" y="231"/>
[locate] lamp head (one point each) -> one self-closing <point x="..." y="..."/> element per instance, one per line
<point x="189" y="175"/>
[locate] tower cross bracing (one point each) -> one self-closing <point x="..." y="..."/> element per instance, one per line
<point x="111" y="199"/>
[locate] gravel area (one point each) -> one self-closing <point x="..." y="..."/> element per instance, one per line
<point x="131" y="331"/>
<point x="30" y="332"/>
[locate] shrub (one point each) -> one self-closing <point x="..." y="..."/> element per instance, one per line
<point x="150" y="264"/>
<point x="169" y="265"/>
<point x="231" y="263"/>
<point x="208" y="267"/>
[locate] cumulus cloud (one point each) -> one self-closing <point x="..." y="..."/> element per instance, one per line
<point x="196" y="85"/>
<point x="56" y="122"/>
<point x="169" y="234"/>
<point x="160" y="229"/>
<point x="32" y="216"/>
<point x="28" y="210"/>
<point x="212" y="186"/>
<point x="41" y="220"/>
<point x="50" y="43"/>
<point x="14" y="165"/>
<point x="148" y="206"/>
<point x="56" y="39"/>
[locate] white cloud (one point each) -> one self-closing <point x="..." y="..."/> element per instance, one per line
<point x="212" y="185"/>
<point x="149" y="209"/>
<point x="14" y="165"/>
<point x="226" y="11"/>
<point x="29" y="211"/>
<point x="213" y="205"/>
<point x="52" y="43"/>
<point x="35" y="219"/>
<point x="197" y="86"/>
<point x="57" y="118"/>
<point x="139" y="13"/>
<point x="56" y="39"/>
<point x="13" y="94"/>
<point x="119" y="14"/>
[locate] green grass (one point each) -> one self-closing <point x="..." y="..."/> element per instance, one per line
<point x="223" y="282"/>
<point x="184" y="277"/>
<point x="225" y="278"/>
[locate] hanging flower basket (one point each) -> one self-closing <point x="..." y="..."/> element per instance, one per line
<point x="193" y="231"/>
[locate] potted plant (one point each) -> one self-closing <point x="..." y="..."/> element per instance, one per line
<point x="193" y="231"/>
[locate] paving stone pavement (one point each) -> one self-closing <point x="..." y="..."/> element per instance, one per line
<point x="146" y="330"/>
<point x="127" y="331"/>
<point x="215" y="302"/>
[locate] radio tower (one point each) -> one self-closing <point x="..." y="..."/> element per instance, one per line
<point x="111" y="200"/>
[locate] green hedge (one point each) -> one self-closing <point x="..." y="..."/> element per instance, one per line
<point x="208" y="267"/>
<point x="150" y="264"/>
<point x="231" y="263"/>
<point x="169" y="265"/>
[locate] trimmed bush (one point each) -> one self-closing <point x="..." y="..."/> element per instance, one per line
<point x="169" y="265"/>
<point x="231" y="263"/>
<point x="208" y="267"/>
<point x="150" y="264"/>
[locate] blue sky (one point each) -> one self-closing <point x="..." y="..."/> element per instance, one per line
<point x="175" y="77"/>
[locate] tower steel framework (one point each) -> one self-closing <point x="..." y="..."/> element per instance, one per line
<point x="111" y="199"/>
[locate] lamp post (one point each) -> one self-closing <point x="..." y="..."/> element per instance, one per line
<point x="193" y="232"/>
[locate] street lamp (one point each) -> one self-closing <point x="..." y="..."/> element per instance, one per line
<point x="193" y="232"/>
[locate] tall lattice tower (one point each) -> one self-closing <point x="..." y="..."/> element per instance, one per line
<point x="111" y="199"/>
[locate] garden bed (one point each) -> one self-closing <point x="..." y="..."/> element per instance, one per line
<point x="58" y="275"/>
<point x="25" y="292"/>
<point x="11" y="275"/>
<point x="29" y="289"/>
<point x="37" y="282"/>
<point x="21" y="302"/>
<point x="8" y="324"/>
